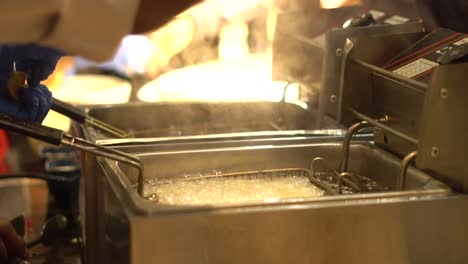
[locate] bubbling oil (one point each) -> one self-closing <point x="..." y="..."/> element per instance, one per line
<point x="233" y="190"/>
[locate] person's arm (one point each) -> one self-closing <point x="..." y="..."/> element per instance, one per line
<point x="90" y="28"/>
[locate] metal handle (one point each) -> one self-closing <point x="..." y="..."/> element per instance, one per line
<point x="107" y="128"/>
<point x="42" y="133"/>
<point x="384" y="127"/>
<point x="354" y="185"/>
<point x="69" y="110"/>
<point x="352" y="130"/>
<point x="113" y="154"/>
<point x="82" y="117"/>
<point x="58" y="137"/>
<point x="401" y="180"/>
<point x="340" y="181"/>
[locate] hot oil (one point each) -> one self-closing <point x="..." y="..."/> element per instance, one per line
<point x="232" y="190"/>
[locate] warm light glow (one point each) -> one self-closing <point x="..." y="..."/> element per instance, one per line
<point x="56" y="79"/>
<point x="245" y="80"/>
<point x="94" y="89"/>
<point x="175" y="36"/>
<point x="272" y="16"/>
<point x="54" y="83"/>
<point x="168" y="41"/>
<point x="329" y="4"/>
<point x="236" y="76"/>
<point x="57" y="121"/>
<point x="233" y="42"/>
<point x="87" y="89"/>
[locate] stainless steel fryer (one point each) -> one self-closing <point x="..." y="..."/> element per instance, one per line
<point x="92" y="190"/>
<point x="126" y="215"/>
<point x="419" y="218"/>
<point x="186" y="125"/>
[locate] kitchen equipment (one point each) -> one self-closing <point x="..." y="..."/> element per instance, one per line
<point x="199" y="118"/>
<point x="58" y="137"/>
<point x="417" y="216"/>
<point x="92" y="190"/>
<point x="329" y="184"/>
<point x="185" y="125"/>
<point x="303" y="41"/>
<point x="257" y="161"/>
<point x="240" y="226"/>
<point x="18" y="79"/>
<point x="410" y="100"/>
<point x="78" y="115"/>
<point x="189" y="125"/>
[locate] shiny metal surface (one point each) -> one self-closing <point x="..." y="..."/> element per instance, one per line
<point x="428" y="230"/>
<point x="173" y="126"/>
<point x="379" y="227"/>
<point x="385" y="128"/>
<point x="404" y="168"/>
<point x="340" y="180"/>
<point x="107" y="152"/>
<point x="92" y="189"/>
<point x="336" y="39"/>
<point x="354" y="183"/>
<point x="426" y="223"/>
<point x="364" y="160"/>
<point x="107" y="128"/>
<point x="444" y="144"/>
<point x="424" y="114"/>
<point x="391" y="75"/>
<point x="187" y="119"/>
<point x="352" y="130"/>
<point x="240" y="136"/>
<point x="387" y="94"/>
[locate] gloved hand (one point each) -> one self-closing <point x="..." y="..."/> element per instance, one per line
<point x="38" y="63"/>
<point x="34" y="103"/>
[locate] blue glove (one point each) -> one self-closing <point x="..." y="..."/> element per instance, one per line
<point x="33" y="106"/>
<point x="38" y="63"/>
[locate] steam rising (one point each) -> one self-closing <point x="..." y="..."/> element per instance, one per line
<point x="289" y="36"/>
<point x="229" y="60"/>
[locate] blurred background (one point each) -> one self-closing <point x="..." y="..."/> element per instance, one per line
<point x="219" y="50"/>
